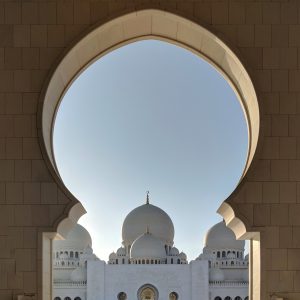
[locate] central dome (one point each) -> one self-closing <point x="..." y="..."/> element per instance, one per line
<point x="148" y="216"/>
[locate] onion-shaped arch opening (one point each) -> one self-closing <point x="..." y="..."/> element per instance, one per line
<point x="125" y="29"/>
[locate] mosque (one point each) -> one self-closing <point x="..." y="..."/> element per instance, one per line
<point x="148" y="266"/>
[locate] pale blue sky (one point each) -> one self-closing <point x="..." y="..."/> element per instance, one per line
<point x="150" y="116"/>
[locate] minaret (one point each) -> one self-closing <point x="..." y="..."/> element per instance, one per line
<point x="147" y="198"/>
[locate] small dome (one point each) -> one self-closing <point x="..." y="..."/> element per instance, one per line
<point x="79" y="274"/>
<point x="148" y="246"/>
<point x="121" y="251"/>
<point x="88" y="250"/>
<point x="147" y="216"/>
<point x="174" y="251"/>
<point x="208" y="255"/>
<point x="78" y="238"/>
<point x="112" y="256"/>
<point x="216" y="274"/>
<point x="200" y="257"/>
<point x="183" y="255"/>
<point x="230" y="255"/>
<point x="222" y="237"/>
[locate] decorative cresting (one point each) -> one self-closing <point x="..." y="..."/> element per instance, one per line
<point x="140" y="25"/>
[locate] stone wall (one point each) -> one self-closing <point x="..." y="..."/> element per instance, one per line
<point x="34" y="34"/>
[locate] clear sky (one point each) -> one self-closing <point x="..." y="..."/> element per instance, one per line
<point x="150" y="116"/>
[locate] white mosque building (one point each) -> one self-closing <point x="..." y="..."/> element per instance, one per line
<point x="148" y="266"/>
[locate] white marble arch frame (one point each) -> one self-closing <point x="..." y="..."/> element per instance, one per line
<point x="125" y="29"/>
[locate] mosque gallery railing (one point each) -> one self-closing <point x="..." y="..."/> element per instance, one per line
<point x="228" y="283"/>
<point x="68" y="283"/>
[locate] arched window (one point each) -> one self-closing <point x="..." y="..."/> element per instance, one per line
<point x="147" y="291"/>
<point x="151" y="261"/>
<point x="147" y="261"/>
<point x="237" y="254"/>
<point x="178" y="261"/>
<point x="76" y="254"/>
<point x="223" y="254"/>
<point x="218" y="298"/>
<point x="71" y="254"/>
<point x="122" y="296"/>
<point x="143" y="261"/>
<point x="123" y="261"/>
<point x="232" y="262"/>
<point x="77" y="298"/>
<point x="218" y="254"/>
<point x="57" y="298"/>
<point x="238" y="298"/>
<point x="171" y="260"/>
<point x="227" y="298"/>
<point x="173" y="296"/>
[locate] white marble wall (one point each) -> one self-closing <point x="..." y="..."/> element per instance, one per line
<point x="189" y="281"/>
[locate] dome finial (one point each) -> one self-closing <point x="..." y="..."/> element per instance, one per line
<point x="147" y="198"/>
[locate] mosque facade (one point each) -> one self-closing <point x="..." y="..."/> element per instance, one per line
<point x="148" y="266"/>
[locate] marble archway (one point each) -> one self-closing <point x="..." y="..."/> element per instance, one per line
<point x="147" y="292"/>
